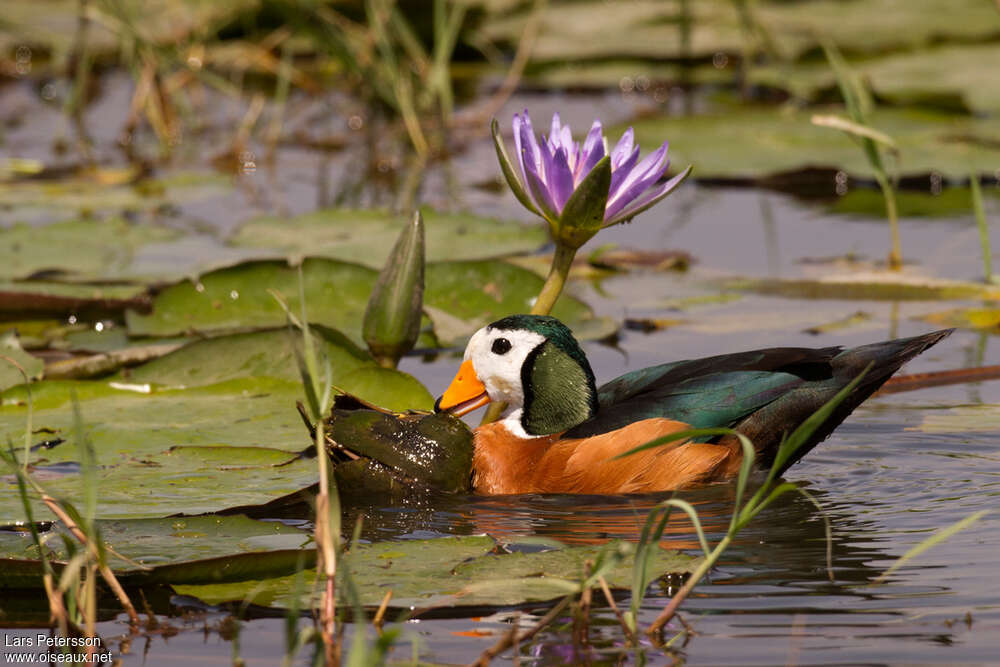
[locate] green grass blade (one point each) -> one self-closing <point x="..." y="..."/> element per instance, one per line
<point x="936" y="538"/>
<point x="984" y="230"/>
<point x="746" y="468"/>
<point x="693" y="515"/>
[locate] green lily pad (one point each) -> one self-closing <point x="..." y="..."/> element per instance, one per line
<point x="477" y="293"/>
<point x="40" y="200"/>
<point x="54" y="30"/>
<point x="869" y="203"/>
<point x="208" y="426"/>
<point x="452" y="572"/>
<point x="365" y="236"/>
<point x="754" y="143"/>
<point x="197" y="549"/>
<point x="237" y="298"/>
<point x="979" y="319"/>
<point x="957" y="76"/>
<point x="27" y="365"/>
<point x="77" y="248"/>
<point x="270" y="354"/>
<point x="47" y="299"/>
<point x="246" y="355"/>
<point x="147" y="445"/>
<point x="596" y="30"/>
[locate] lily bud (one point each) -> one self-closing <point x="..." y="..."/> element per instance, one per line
<point x="392" y="317"/>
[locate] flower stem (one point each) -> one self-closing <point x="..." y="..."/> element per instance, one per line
<point x="553" y="287"/>
<point x="895" y="251"/>
<point x="558" y="272"/>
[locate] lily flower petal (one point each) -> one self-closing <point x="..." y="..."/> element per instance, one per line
<point x="540" y="192"/>
<point x="648" y="199"/>
<point x="638" y="179"/>
<point x="622" y="149"/>
<point x="593" y="151"/>
<point x="560" y="178"/>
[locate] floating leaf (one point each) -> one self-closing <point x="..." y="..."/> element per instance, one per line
<point x="247" y="355"/>
<point x="196" y="549"/>
<point x="453" y="572"/>
<point x="365" y="236"/>
<point x="987" y="319"/>
<point x="76" y="249"/>
<point x="47" y="200"/>
<point x="45" y="299"/>
<point x="869" y="203"/>
<point x="236" y="298"/>
<point x="28" y="367"/>
<point x="756" y="143"/>
<point x="594" y="31"/>
<point x="481" y="292"/>
<point x="948" y="76"/>
<point x="136" y="436"/>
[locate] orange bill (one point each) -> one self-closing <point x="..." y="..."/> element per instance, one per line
<point x="465" y="393"/>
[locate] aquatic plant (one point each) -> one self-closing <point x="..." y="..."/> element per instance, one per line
<point x="580" y="190"/>
<point x="858" y="101"/>
<point x="984" y="231"/>
<point x="392" y="316"/>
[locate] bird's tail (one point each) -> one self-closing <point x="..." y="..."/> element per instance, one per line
<point x="767" y="427"/>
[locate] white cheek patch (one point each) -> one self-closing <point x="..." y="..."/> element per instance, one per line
<point x="501" y="373"/>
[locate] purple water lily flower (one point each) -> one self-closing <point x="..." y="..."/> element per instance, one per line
<point x="555" y="168"/>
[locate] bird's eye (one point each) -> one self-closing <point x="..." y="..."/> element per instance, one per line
<point x="501" y="346"/>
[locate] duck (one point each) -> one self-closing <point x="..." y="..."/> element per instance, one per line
<point x="562" y="434"/>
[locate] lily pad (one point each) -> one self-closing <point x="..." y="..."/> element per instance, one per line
<point x="197" y="549"/>
<point x="246" y="355"/>
<point x="76" y="249"/>
<point x="480" y="292"/>
<point x="237" y="298"/>
<point x="365" y="236"/>
<point x="957" y="76"/>
<point x="27" y="366"/>
<point x="869" y="202"/>
<point x="147" y="445"/>
<point x="48" y="299"/>
<point x="270" y="354"/>
<point x="453" y="572"/>
<point x="45" y="200"/>
<point x="161" y="21"/>
<point x="647" y="29"/>
<point x="980" y="319"/>
<point x="757" y="143"/>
